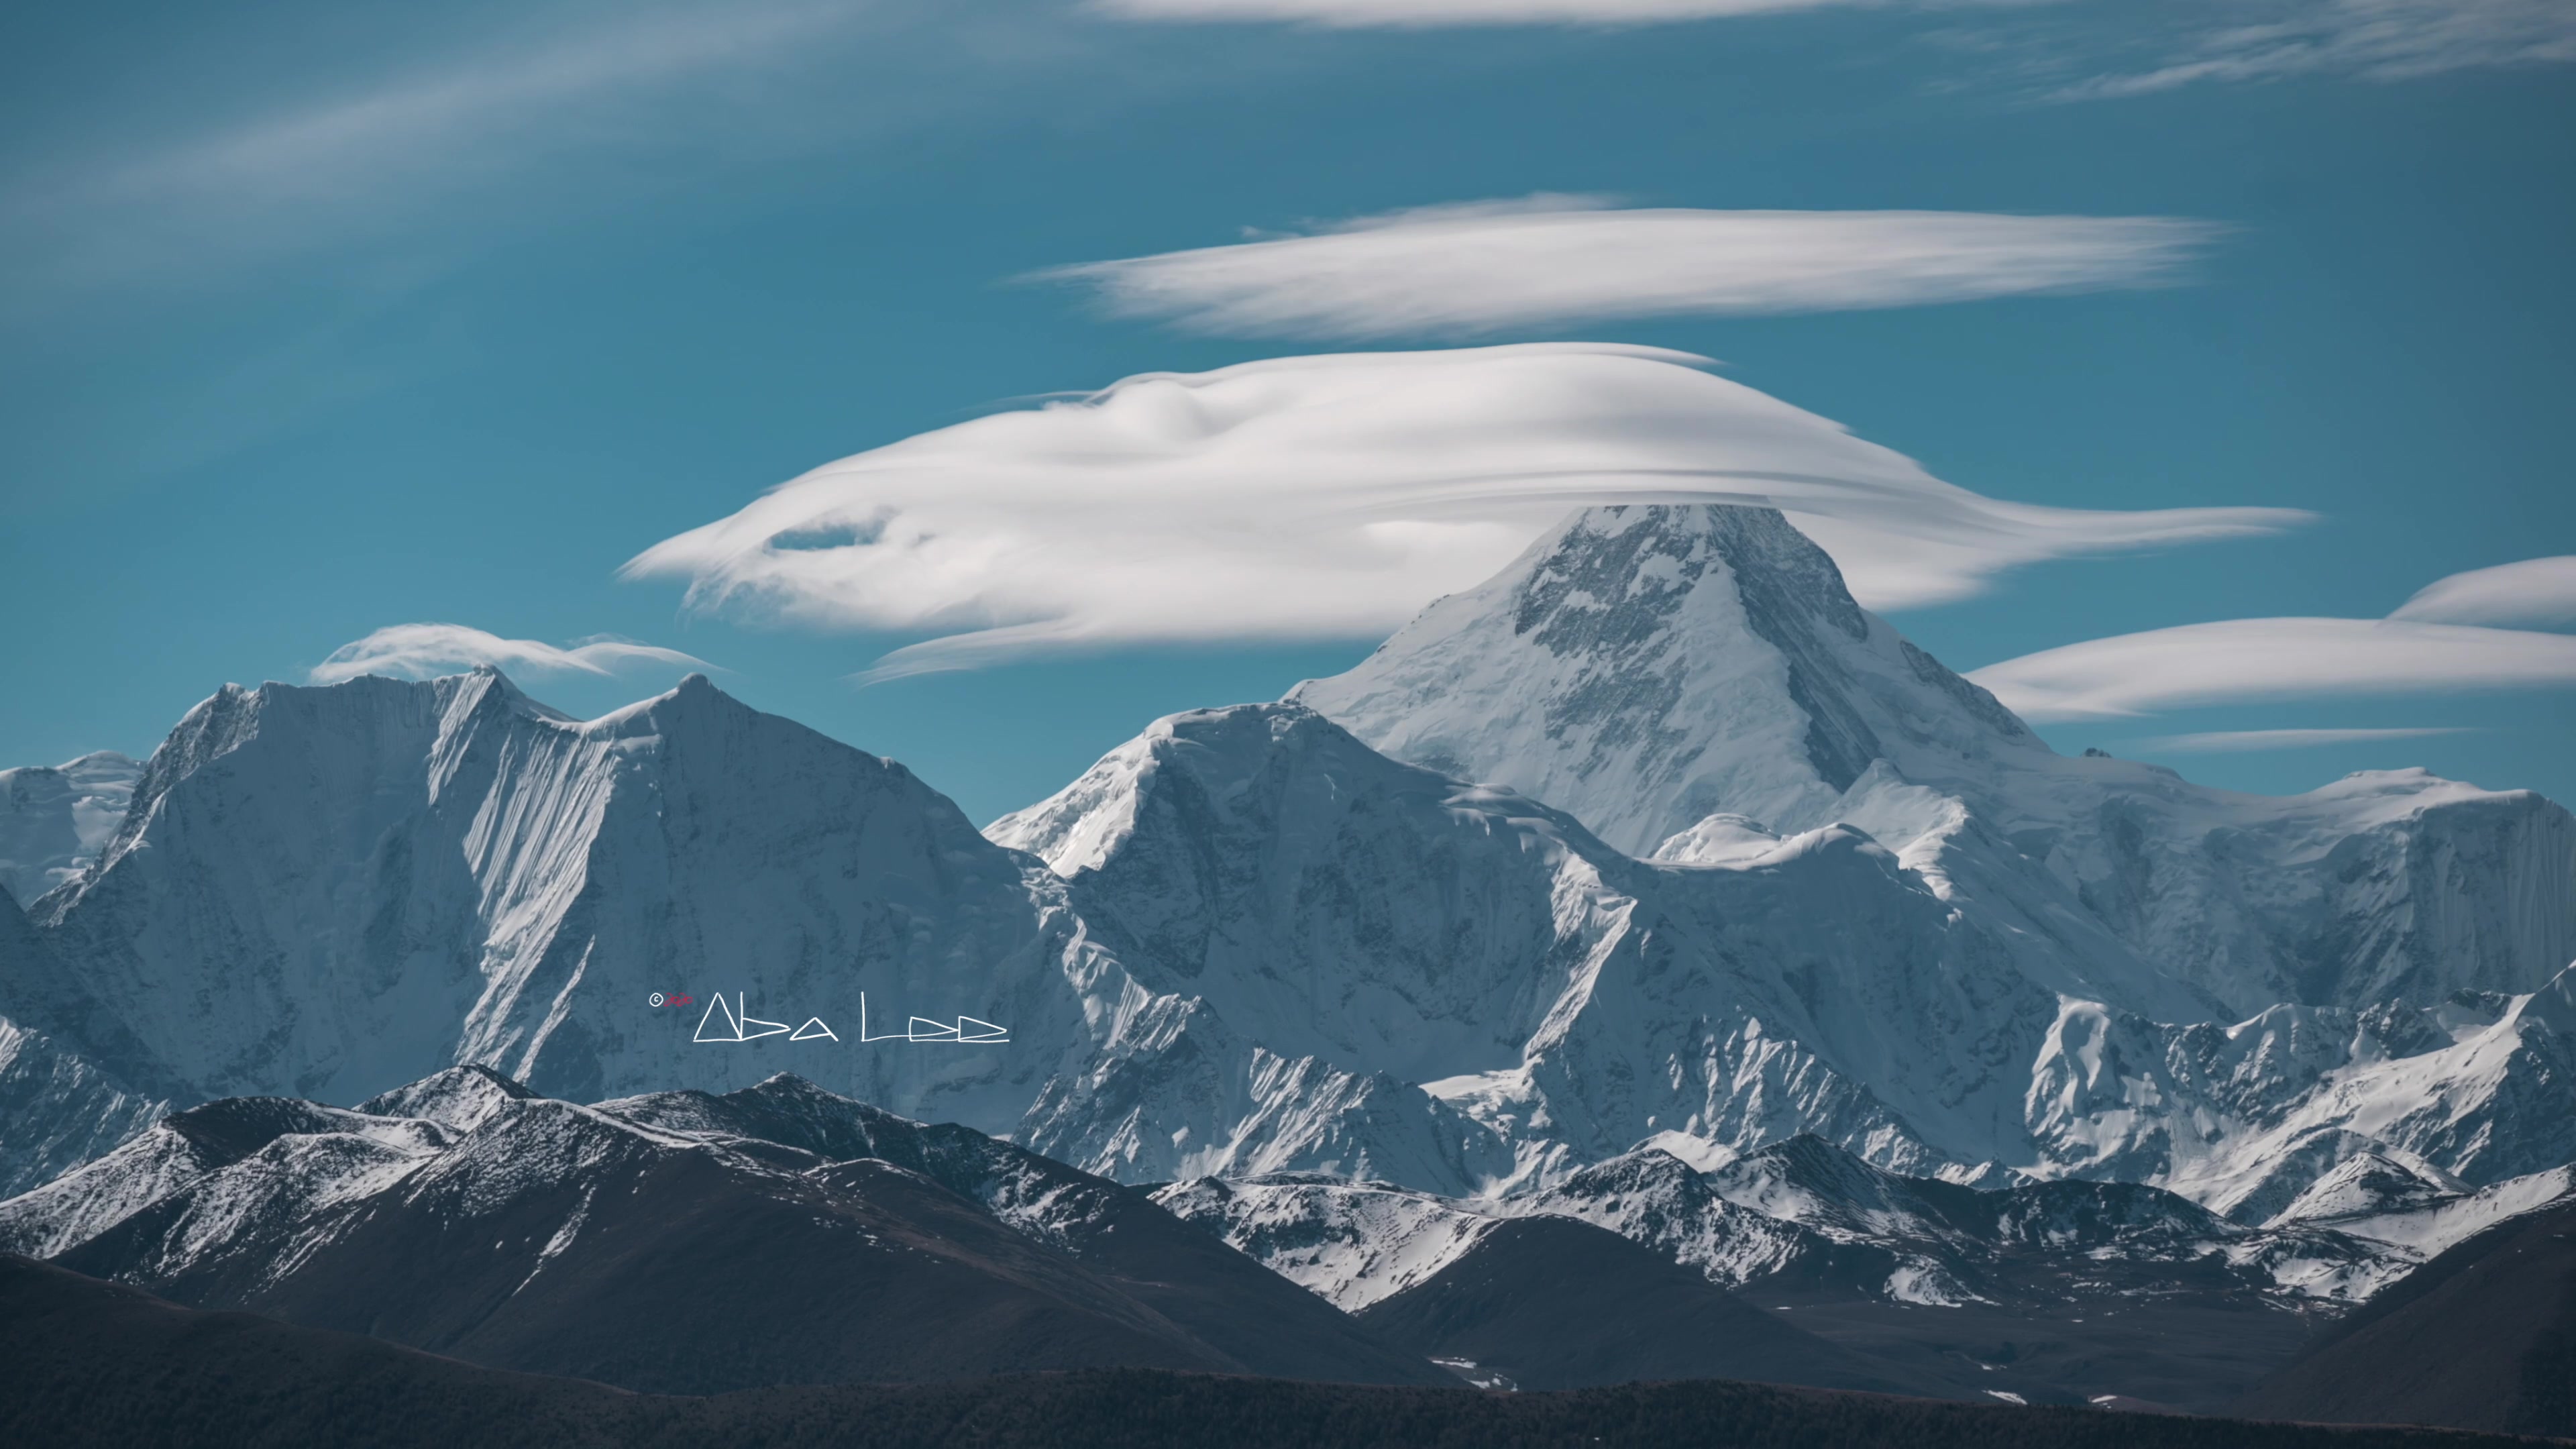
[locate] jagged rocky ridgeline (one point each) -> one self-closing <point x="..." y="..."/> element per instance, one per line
<point x="1743" y="865"/>
<point x="678" y="1242"/>
<point x="682" y="1241"/>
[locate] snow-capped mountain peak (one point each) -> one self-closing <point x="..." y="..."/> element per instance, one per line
<point x="1645" y="666"/>
<point x="55" y="819"/>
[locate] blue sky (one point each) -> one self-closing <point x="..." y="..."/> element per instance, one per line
<point x="323" y="319"/>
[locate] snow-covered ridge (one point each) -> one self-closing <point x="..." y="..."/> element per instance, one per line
<point x="1249" y="942"/>
<point x="365" y="883"/>
<point x="1564" y="1001"/>
<point x="1814" y="1214"/>
<point x="1646" y="668"/>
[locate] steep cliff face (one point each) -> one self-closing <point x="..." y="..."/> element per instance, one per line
<point x="58" y="1106"/>
<point x="331" y="891"/>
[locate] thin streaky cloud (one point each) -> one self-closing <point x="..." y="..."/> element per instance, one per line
<point x="1549" y="261"/>
<point x="419" y="651"/>
<point x="2374" y="40"/>
<point x="436" y="115"/>
<point x="2536" y="592"/>
<point x="2231" y="742"/>
<point x="2246" y="661"/>
<point x="1332" y="497"/>
<point x="388" y="157"/>
<point x="1429" y="14"/>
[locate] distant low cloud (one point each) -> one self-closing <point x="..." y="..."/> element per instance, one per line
<point x="1332" y="497"/>
<point x="2434" y="641"/>
<point x="1421" y="14"/>
<point x="1548" y="261"/>
<point x="2380" y="40"/>
<point x="2242" y="661"/>
<point x="2539" y="592"/>
<point x="419" y="651"/>
<point x="2230" y="742"/>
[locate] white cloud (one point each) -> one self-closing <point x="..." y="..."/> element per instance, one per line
<point x="1545" y="261"/>
<point x="453" y="112"/>
<point x="1332" y="497"/>
<point x="1419" y="14"/>
<point x="2238" y="661"/>
<point x="331" y="139"/>
<point x="2230" y="742"/>
<point x="418" y="651"/>
<point x="2369" y="39"/>
<point x="2538" y="591"/>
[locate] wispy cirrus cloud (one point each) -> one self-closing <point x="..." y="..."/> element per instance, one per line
<point x="1549" y="260"/>
<point x="1425" y="14"/>
<point x="2120" y="51"/>
<point x="547" y="106"/>
<point x="448" y="114"/>
<point x="1332" y="497"/>
<point x="2231" y="742"/>
<point x="2435" y="641"/>
<point x="2377" y="40"/>
<point x="419" y="651"/>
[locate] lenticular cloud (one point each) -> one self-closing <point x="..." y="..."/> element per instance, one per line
<point x="418" y="651"/>
<point x="1546" y="261"/>
<point x="2540" y="592"/>
<point x="2241" y="661"/>
<point x="1332" y="497"/>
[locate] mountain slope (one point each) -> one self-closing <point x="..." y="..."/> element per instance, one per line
<point x="1646" y="668"/>
<point x="2248" y="990"/>
<point x="100" y="1364"/>
<point x="2482" y="1337"/>
<point x="61" y="1107"/>
<point x="1343" y="929"/>
<point x="55" y="819"/>
<point x="2063" y="1291"/>
<point x="327" y="892"/>
<point x="526" y="1233"/>
<point x="1551" y="1303"/>
<point x="1254" y="944"/>
<point x="1220" y="1296"/>
<point x="1560" y="1001"/>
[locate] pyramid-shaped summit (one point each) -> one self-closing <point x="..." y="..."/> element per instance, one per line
<point x="1646" y="666"/>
